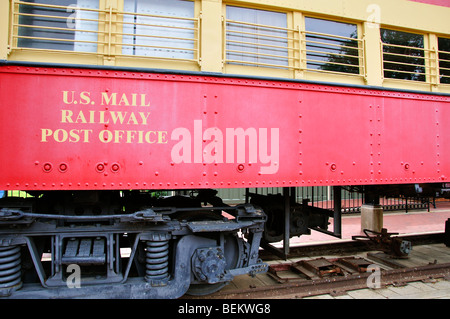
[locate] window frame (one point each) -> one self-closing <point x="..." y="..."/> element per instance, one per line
<point x="260" y="59"/>
<point x="360" y="46"/>
<point x="109" y="43"/>
<point x="296" y="49"/>
<point x="424" y="77"/>
<point x="28" y="35"/>
<point x="160" y="28"/>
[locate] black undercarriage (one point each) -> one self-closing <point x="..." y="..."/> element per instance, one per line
<point x="135" y="244"/>
<point x="142" y="244"/>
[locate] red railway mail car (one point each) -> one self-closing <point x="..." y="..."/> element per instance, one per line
<point x="122" y="121"/>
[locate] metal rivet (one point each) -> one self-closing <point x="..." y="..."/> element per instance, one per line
<point x="115" y="167"/>
<point x="47" y="167"/>
<point x="100" y="167"/>
<point x="63" y="167"/>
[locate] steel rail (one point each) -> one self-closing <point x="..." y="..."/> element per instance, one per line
<point x="335" y="285"/>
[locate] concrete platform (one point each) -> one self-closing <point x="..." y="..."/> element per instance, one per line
<point x="410" y="223"/>
<point x="439" y="289"/>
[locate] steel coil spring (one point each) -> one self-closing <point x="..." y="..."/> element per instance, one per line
<point x="157" y="261"/>
<point x="10" y="267"/>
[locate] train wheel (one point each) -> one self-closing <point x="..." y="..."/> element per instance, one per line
<point x="233" y="249"/>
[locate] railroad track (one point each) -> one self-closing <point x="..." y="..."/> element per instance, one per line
<point x="351" y="266"/>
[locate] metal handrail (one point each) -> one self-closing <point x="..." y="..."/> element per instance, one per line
<point x="359" y="48"/>
<point x="291" y="51"/>
<point x="267" y="26"/>
<point x="261" y="38"/>
<point x="441" y="68"/>
<point x="422" y="68"/>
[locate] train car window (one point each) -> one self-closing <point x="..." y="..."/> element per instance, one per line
<point x="58" y="25"/>
<point x="157" y="28"/>
<point x="403" y="55"/>
<point x="444" y="60"/>
<point x="256" y="37"/>
<point x="331" y="46"/>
